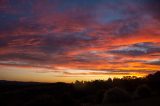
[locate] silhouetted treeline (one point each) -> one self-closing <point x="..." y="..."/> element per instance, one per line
<point x="80" y="93"/>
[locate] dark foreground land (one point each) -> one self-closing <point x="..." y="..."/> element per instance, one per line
<point x="152" y="101"/>
<point x="128" y="91"/>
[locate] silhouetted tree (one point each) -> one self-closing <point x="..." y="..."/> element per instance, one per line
<point x="143" y="91"/>
<point x="116" y="95"/>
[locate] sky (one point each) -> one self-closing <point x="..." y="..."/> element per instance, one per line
<point x="68" y="40"/>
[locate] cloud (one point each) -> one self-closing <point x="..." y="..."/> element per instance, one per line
<point x="153" y="7"/>
<point x="126" y="28"/>
<point x="80" y="34"/>
<point x="153" y="62"/>
<point x="137" y="49"/>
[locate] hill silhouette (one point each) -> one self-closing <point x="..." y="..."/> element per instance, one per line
<point x="126" y="91"/>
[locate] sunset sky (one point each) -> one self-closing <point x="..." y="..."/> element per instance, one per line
<point x="68" y="40"/>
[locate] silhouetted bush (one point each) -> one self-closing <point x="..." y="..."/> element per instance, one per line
<point x="154" y="81"/>
<point x="116" y="95"/>
<point x="142" y="91"/>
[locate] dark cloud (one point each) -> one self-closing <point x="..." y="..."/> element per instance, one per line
<point x="23" y="56"/>
<point x="127" y="28"/>
<point x="3" y="43"/>
<point x="153" y="62"/>
<point x="63" y="43"/>
<point x="44" y="49"/>
<point x="137" y="49"/>
<point x="153" y="7"/>
<point x="89" y="57"/>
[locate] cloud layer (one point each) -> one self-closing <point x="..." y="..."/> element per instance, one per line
<point x="121" y="35"/>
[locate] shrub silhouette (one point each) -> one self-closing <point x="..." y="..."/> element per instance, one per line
<point x="143" y="91"/>
<point x="116" y="95"/>
<point x="154" y="81"/>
